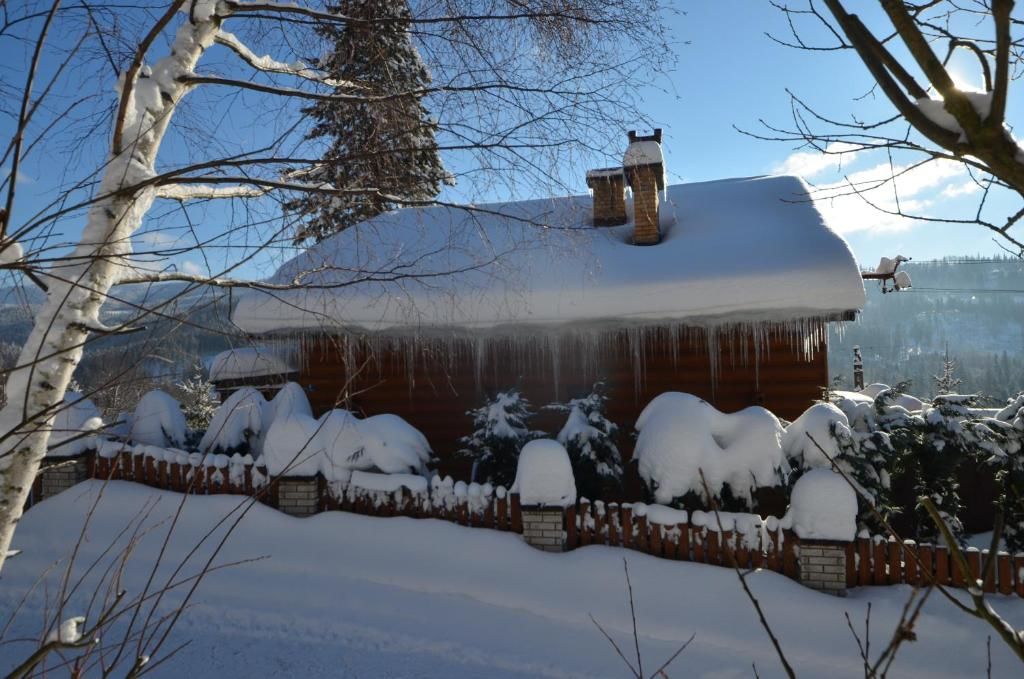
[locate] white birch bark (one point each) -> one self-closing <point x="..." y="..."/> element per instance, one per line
<point x="79" y="286"/>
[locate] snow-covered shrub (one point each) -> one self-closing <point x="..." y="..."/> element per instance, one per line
<point x="158" y="421"/>
<point x="72" y="426"/>
<point x="290" y="400"/>
<point x="499" y="434"/>
<point x="864" y="456"/>
<point x="290" y="447"/>
<point x="237" y="425"/>
<point x="392" y="445"/>
<point x="544" y="474"/>
<point x="198" y="400"/>
<point x="682" y="435"/>
<point x="339" y="443"/>
<point x="588" y="437"/>
<point x="823" y="506"/>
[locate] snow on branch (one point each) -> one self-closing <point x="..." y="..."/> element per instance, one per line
<point x="268" y="64"/>
<point x="204" y="192"/>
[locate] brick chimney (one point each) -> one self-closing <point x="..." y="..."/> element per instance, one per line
<point x="609" y="186"/>
<point x="644" y="166"/>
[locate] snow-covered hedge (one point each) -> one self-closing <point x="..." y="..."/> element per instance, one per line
<point x="339" y="443"/>
<point x="73" y="426"/>
<point x="158" y="421"/>
<point x="682" y="435"/>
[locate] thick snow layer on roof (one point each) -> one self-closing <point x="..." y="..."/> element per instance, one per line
<point x="236" y="364"/>
<point x="736" y="250"/>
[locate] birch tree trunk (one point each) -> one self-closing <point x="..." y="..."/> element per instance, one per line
<point x="78" y="286"/>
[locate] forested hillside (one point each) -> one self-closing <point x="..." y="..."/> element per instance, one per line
<point x="973" y="306"/>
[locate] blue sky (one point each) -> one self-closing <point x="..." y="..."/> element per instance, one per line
<point x="728" y="74"/>
<point x="731" y="74"/>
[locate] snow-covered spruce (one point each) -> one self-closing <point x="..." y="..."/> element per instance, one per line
<point x="682" y="436"/>
<point x="544" y="475"/>
<point x="588" y="437"/>
<point x="387" y="143"/>
<point x="500" y="432"/>
<point x="54" y="346"/>
<point x="198" y="401"/>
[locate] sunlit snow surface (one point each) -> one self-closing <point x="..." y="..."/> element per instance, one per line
<point x="349" y="596"/>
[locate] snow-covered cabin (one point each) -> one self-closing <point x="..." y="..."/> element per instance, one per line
<point x="723" y="289"/>
<point x="259" y="367"/>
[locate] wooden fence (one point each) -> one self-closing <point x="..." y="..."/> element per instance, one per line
<point x="869" y="560"/>
<point x="628" y="526"/>
<point x="881" y="561"/>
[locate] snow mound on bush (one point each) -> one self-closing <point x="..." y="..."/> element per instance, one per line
<point x="158" y="421"/>
<point x="339" y="443"/>
<point x="290" y="447"/>
<point x="907" y="401"/>
<point x="823" y="506"/>
<point x="290" y="400"/>
<point x="77" y="416"/>
<point x="818" y="422"/>
<point x="544" y="474"/>
<point x="681" y="434"/>
<point x="238" y="421"/>
<point x="393" y="445"/>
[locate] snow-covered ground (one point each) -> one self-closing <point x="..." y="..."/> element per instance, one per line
<point x="346" y="595"/>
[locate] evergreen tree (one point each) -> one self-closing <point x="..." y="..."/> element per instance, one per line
<point x="500" y="432"/>
<point x="386" y="144"/>
<point x="947" y="383"/>
<point x="196" y="395"/>
<point x="588" y="437"/>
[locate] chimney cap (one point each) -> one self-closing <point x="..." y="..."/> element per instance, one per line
<point x="634" y="137"/>
<point x="605" y="174"/>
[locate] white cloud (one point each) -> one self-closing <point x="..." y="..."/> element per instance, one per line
<point x="811" y="163"/>
<point x="914" y="191"/>
<point x="192" y="268"/>
<point x="155" y="239"/>
<point x="958" y="190"/>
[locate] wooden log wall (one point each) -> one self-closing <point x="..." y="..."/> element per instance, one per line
<point x="443" y="385"/>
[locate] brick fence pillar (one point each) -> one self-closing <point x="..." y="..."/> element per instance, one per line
<point x="822" y="565"/>
<point x="298" y="495"/>
<point x="59" y="474"/>
<point x="544" y="527"/>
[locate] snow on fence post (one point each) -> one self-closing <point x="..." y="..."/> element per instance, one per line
<point x="823" y="511"/>
<point x="546" y="488"/>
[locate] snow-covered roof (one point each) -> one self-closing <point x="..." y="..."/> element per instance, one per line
<point x="732" y="251"/>
<point x="235" y="364"/>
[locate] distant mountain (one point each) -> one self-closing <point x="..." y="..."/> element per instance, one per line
<point x="975" y="307"/>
